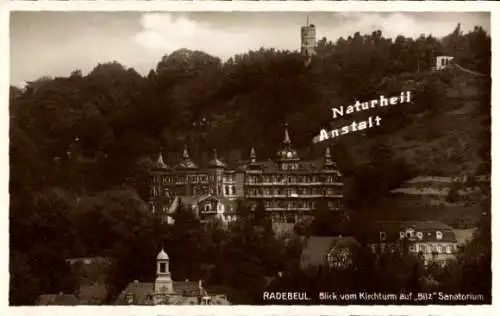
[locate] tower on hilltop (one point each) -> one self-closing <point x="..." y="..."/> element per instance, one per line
<point x="308" y="39"/>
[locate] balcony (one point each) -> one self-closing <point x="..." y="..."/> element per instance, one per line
<point x="284" y="183"/>
<point x="297" y="196"/>
<point x="291" y="209"/>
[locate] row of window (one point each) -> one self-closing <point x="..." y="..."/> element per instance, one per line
<point x="292" y="192"/>
<point x="180" y="179"/>
<point x="229" y="190"/>
<point x="411" y="234"/>
<point x="428" y="248"/>
<point x="177" y="191"/>
<point x="158" y="180"/>
<point x="298" y="204"/>
<point x="423" y="248"/>
<point x="292" y="179"/>
<point x="222" y="217"/>
<point x="162" y="208"/>
<point x="250" y="192"/>
<point x="229" y="178"/>
<point x="289" y="166"/>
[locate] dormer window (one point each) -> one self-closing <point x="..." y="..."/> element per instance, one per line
<point x="401" y="235"/>
<point x="420" y="235"/>
<point x="410" y="233"/>
<point x="163" y="267"/>
<point x="439" y="235"/>
<point x="383" y="236"/>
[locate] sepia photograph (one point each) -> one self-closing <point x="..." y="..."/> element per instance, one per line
<point x="250" y="158"/>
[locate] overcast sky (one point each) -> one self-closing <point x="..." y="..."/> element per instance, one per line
<point x="56" y="43"/>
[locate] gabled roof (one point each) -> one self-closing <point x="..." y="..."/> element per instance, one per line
<point x="228" y="204"/>
<point x="187" y="288"/>
<point x="140" y="292"/>
<point x="92" y="294"/>
<point x="185" y="293"/>
<point x="160" y="163"/>
<point x="186" y="162"/>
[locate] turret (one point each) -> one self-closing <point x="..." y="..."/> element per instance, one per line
<point x="160" y="163"/>
<point x="253" y="156"/>
<point x="287" y="156"/>
<point x="308" y="39"/>
<point x="186" y="162"/>
<point x="163" y="283"/>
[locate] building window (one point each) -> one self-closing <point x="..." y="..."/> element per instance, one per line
<point x="163" y="267"/>
<point x="439" y="235"/>
<point x="383" y="236"/>
<point x="226" y="190"/>
<point x="130" y="298"/>
<point x="424" y="248"/>
<point x="420" y="235"/>
<point x="439" y="249"/>
<point x="401" y="235"/>
<point x="449" y="249"/>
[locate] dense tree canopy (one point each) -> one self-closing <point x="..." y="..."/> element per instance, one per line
<point x="80" y="148"/>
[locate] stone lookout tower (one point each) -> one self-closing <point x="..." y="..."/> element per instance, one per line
<point x="308" y="39"/>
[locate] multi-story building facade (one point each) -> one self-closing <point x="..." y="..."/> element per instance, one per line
<point x="188" y="179"/>
<point x="288" y="187"/>
<point x="432" y="241"/>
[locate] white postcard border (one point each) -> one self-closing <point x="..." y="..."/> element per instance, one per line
<point x="127" y="5"/>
